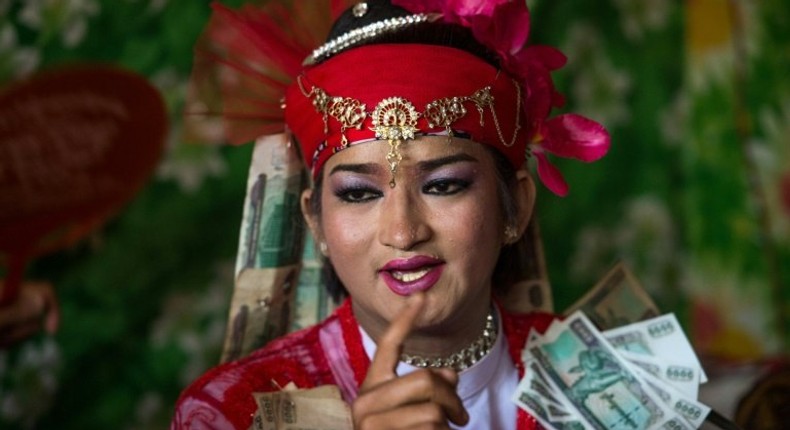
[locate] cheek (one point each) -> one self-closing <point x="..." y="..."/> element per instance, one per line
<point x="473" y="227"/>
<point x="343" y="232"/>
<point x="344" y="227"/>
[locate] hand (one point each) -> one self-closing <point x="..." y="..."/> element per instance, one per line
<point x="424" y="399"/>
<point x="34" y="308"/>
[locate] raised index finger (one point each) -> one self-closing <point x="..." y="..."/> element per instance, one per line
<point x="389" y="347"/>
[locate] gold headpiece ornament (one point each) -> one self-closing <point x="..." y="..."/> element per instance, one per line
<point x="264" y="53"/>
<point x="395" y="118"/>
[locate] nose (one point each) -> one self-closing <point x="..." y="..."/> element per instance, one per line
<point x="403" y="223"/>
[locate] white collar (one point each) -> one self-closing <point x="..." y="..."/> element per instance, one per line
<point x="470" y="381"/>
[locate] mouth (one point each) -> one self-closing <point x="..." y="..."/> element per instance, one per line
<point x="407" y="276"/>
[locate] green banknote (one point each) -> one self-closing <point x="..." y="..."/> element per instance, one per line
<point x="313" y="302"/>
<point x="597" y="382"/>
<point x="270" y="244"/>
<point x="535" y="406"/>
<point x="682" y="377"/>
<point x="537" y="384"/>
<point x="688" y="407"/>
<point x="640" y="373"/>
<point x="660" y="337"/>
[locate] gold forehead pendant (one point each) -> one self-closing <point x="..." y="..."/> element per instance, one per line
<point x="394" y="119"/>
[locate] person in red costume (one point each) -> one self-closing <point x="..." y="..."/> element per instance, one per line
<point x="415" y="119"/>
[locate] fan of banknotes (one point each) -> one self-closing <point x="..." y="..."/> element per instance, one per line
<point x="613" y="363"/>
<point x="640" y="376"/>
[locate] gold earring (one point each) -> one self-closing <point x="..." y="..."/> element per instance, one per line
<point x="323" y="248"/>
<point x="511" y="235"/>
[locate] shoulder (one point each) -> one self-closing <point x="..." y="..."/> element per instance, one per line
<point x="222" y="397"/>
<point x="521" y="324"/>
<point x="517" y="327"/>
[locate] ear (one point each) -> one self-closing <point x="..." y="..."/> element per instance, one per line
<point x="313" y="223"/>
<point x="525" y="200"/>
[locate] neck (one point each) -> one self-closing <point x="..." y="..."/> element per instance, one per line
<point x="435" y="334"/>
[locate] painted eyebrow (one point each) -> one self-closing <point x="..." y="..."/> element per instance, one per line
<point x="422" y="166"/>
<point x="430" y="165"/>
<point x="362" y="168"/>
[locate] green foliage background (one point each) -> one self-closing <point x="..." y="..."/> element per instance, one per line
<point x="144" y="300"/>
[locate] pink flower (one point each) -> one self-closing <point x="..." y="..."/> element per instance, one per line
<point x="505" y="29"/>
<point x="464" y="8"/>
<point x="451" y="8"/>
<point x="503" y="26"/>
<point x="421" y="6"/>
<point x="574" y="136"/>
<point x="534" y="66"/>
<point x="549" y="174"/>
<point x="567" y="136"/>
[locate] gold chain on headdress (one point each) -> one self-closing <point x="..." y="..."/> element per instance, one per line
<point x="518" y="119"/>
<point x="350" y="113"/>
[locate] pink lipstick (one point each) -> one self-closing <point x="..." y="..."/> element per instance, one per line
<point x="406" y="276"/>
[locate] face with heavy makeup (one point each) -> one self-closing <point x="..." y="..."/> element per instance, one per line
<point x="438" y="230"/>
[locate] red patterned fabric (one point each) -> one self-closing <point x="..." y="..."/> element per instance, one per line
<point x="222" y="397"/>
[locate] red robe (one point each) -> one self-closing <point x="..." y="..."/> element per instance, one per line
<point x="330" y="352"/>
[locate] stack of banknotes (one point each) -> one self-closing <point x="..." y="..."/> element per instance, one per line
<point x="644" y="375"/>
<point x="320" y="408"/>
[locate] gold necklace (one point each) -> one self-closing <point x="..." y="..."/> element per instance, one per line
<point x="464" y="358"/>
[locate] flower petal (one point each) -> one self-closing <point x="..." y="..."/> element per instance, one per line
<point x="421" y="6"/>
<point x="502" y="25"/>
<point x="550" y="175"/>
<point x="574" y="136"/>
<point x="537" y="94"/>
<point x="466" y="8"/>
<point x="536" y="57"/>
<point x="551" y="57"/>
<point x="509" y="28"/>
